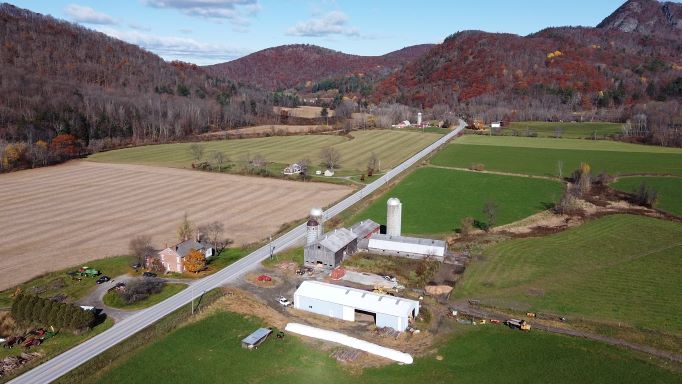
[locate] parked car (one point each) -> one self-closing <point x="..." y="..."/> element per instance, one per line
<point x="284" y="301"/>
<point x="391" y="278"/>
<point x="102" y="279"/>
<point x="149" y="274"/>
<point x="136" y="266"/>
<point x="264" y="278"/>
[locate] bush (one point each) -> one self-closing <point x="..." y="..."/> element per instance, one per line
<point x="646" y="196"/>
<point x="140" y="289"/>
<point x="466" y="226"/>
<point x="568" y="205"/>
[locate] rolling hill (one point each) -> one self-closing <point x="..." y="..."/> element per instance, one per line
<point x="290" y="65"/>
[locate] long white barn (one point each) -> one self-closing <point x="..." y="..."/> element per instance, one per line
<point x="413" y="247"/>
<point x="342" y="303"/>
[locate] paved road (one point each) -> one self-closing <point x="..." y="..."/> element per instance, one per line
<point x="61" y="364"/>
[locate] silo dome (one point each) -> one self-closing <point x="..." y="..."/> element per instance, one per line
<point x="316" y="212"/>
<point x="393" y="201"/>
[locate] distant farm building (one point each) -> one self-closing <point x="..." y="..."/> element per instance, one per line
<point x="171" y="257"/>
<point x="344" y="303"/>
<point x="496" y="124"/>
<point x="403" y="124"/>
<point x="293" y="169"/>
<point x="329" y="173"/>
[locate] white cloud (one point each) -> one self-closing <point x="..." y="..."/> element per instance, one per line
<point x="179" y="48"/>
<point x="333" y="23"/>
<point x="83" y="14"/>
<point x="238" y="12"/>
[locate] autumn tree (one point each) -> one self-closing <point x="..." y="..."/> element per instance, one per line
<point x="331" y="157"/>
<point x="186" y="229"/>
<point x="194" y="261"/>
<point x="141" y="248"/>
<point x="583" y="179"/>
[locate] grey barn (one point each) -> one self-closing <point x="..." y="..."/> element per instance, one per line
<point x="331" y="249"/>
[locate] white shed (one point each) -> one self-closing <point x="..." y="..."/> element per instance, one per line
<point x="342" y="303"/>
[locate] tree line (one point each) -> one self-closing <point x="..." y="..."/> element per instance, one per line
<point x="34" y="310"/>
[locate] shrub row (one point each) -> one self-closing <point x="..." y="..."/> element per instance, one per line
<point x="34" y="310"/>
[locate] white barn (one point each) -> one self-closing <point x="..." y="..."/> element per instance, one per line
<point x="342" y="303"/>
<point x="412" y="247"/>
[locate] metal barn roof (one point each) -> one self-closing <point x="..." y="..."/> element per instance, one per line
<point x="358" y="299"/>
<point x="407" y="244"/>
<point x="256" y="336"/>
<point x="338" y="239"/>
<point x="364" y="228"/>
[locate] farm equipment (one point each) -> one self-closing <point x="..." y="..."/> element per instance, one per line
<point x="89" y="272"/>
<point x="32" y="342"/>
<point x="13" y="341"/>
<point x="280" y="335"/>
<point x="518" y="324"/>
<point x="494" y="321"/>
<point x="531" y="314"/>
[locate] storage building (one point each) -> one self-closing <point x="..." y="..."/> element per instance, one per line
<point x="412" y="247"/>
<point x="343" y="303"/>
<point x="256" y="338"/>
<point x="331" y="249"/>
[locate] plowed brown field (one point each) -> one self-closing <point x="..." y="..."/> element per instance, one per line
<point x="55" y="217"/>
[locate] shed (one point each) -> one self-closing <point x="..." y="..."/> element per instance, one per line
<point x="365" y="229"/>
<point x="256" y="338"/>
<point x="412" y="247"/>
<point x="343" y="303"/>
<point x="496" y="124"/>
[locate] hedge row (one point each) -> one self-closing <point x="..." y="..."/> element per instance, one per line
<point x="35" y="310"/>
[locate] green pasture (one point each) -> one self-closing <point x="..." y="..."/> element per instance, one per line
<point x="669" y="190"/>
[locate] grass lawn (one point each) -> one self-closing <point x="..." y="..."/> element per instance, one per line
<point x="541" y="156"/>
<point x="435" y="200"/>
<point x="59" y="282"/>
<point x="295" y="255"/>
<point x="568" y="129"/>
<point x="472" y="355"/>
<point x="113" y="299"/>
<point x="618" y="268"/>
<point x="392" y="147"/>
<point x="669" y="190"/>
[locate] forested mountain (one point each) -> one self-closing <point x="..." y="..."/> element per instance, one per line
<point x="287" y="66"/>
<point x="60" y="78"/>
<point x="547" y="74"/>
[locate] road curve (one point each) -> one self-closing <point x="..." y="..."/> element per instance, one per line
<point x="61" y="364"/>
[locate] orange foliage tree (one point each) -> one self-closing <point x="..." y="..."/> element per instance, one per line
<point x="194" y="261"/>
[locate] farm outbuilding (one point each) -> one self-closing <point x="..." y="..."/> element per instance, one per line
<point x="331" y="249"/>
<point x="343" y="303"/>
<point x="365" y="229"/>
<point x="256" y="338"/>
<point x="404" y="246"/>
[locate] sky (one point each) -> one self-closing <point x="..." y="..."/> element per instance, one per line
<point x="213" y="31"/>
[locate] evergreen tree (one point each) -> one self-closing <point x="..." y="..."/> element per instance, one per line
<point x="61" y="319"/>
<point x="45" y="311"/>
<point x="17" y="307"/>
<point x="27" y="312"/>
<point x="52" y="316"/>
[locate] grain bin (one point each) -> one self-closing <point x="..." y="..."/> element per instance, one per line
<point x="393" y="216"/>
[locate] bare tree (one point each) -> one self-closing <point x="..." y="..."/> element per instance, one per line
<point x="215" y="234"/>
<point x="141" y="248"/>
<point x="219" y="158"/>
<point x="196" y="150"/>
<point x="186" y="229"/>
<point x="490" y="212"/>
<point x="372" y="163"/>
<point x="331" y="157"/>
<point x="560" y="168"/>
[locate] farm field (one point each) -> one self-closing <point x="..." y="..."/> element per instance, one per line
<point x="537" y="156"/>
<point x="305" y="111"/>
<point x="618" y="268"/>
<point x="568" y="129"/>
<point x="272" y="129"/>
<point x="472" y="355"/>
<point x="435" y="200"/>
<point x="392" y="147"/>
<point x="669" y="190"/>
<point x="61" y="216"/>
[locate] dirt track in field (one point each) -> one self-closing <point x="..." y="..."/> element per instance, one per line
<point x="56" y="217"/>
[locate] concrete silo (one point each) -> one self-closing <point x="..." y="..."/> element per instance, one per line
<point x="419" y="118"/>
<point x="314" y="229"/>
<point x="393" y="216"/>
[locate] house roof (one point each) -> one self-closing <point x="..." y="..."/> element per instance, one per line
<point x="357" y="298"/>
<point x="338" y="239"/>
<point x="256" y="336"/>
<point x="364" y="228"/>
<point x="183" y="248"/>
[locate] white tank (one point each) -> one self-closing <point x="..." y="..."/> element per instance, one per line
<point x="393" y="216"/>
<point x="314" y="230"/>
<point x="419" y="118"/>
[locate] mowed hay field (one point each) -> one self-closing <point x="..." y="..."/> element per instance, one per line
<point x="392" y="147"/>
<point x="57" y="217"/>
<point x="669" y="190"/>
<point x="482" y="354"/>
<point x="435" y="200"/>
<point x="538" y="156"/>
<point x="618" y="268"/>
<point x="568" y="129"/>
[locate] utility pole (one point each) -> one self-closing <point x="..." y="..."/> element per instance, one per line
<point x="272" y="248"/>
